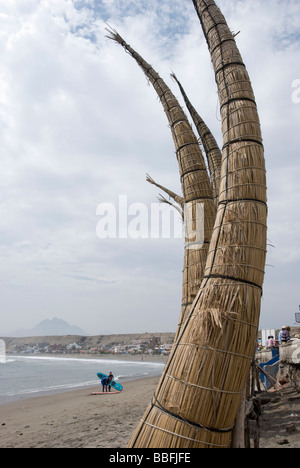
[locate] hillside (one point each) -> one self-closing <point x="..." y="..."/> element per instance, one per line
<point x="87" y="342"/>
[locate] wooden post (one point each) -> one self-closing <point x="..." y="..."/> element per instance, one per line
<point x="238" y="440"/>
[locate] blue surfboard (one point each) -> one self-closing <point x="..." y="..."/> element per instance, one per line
<point x="115" y="385"/>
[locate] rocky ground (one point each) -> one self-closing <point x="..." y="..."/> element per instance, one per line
<point x="280" y="421"/>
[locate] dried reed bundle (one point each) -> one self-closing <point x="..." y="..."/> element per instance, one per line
<point x="211" y="148"/>
<point x="198" y="396"/>
<point x="163" y="199"/>
<point x="171" y="194"/>
<point x="196" y="186"/>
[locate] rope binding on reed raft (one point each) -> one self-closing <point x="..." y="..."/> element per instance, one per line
<point x="185" y="421"/>
<point x="199" y="393"/>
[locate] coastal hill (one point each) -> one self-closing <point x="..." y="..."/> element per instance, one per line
<point x="99" y="343"/>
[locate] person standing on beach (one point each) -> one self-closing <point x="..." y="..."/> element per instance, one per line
<point x="105" y="382"/>
<point x="110" y="379"/>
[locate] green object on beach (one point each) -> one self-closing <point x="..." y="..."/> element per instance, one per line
<point x="115" y="385"/>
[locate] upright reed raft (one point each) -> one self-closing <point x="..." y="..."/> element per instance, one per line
<point x="212" y="151"/>
<point x="195" y="182"/>
<point x="198" y="396"/>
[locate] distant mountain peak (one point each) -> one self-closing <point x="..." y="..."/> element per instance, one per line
<point x="49" y="327"/>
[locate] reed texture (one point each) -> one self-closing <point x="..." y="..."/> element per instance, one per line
<point x="211" y="148"/>
<point x="199" y="206"/>
<point x="177" y="198"/>
<point x="198" y="396"/>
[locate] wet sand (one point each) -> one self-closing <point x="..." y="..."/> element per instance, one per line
<point x="78" y="420"/>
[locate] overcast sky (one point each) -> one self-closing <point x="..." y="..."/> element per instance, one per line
<point x="80" y="126"/>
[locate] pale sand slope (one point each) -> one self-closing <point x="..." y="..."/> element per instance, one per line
<point x="76" y="419"/>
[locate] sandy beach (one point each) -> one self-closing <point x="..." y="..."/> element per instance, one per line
<point x="78" y="420"/>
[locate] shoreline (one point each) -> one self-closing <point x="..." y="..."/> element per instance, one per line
<point x="47" y="392"/>
<point x="76" y="419"/>
<point x="101" y="357"/>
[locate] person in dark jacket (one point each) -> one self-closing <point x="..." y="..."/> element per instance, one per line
<point x="105" y="383"/>
<point x="110" y="379"/>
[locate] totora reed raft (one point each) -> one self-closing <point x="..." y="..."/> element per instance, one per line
<point x="199" y="394"/>
<point x="196" y="185"/>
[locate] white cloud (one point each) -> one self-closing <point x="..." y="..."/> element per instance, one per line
<point x="80" y="126"/>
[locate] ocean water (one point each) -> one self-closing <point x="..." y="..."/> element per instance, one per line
<point x="29" y="376"/>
